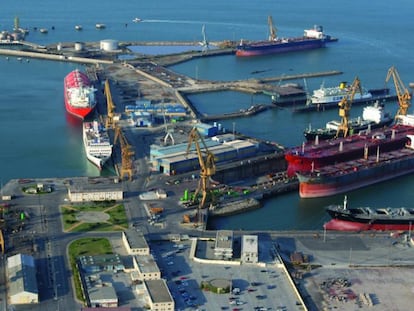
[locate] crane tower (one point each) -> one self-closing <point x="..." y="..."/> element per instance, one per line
<point x="127" y="152"/>
<point x="207" y="164"/>
<point x="345" y="107"/>
<point x="404" y="96"/>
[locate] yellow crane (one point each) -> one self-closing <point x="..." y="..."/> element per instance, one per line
<point x="127" y="153"/>
<point x="345" y="107"/>
<point x="110" y="106"/>
<point x="272" y="29"/>
<point x="404" y="96"/>
<point x="2" y="242"/>
<point x="207" y="164"/>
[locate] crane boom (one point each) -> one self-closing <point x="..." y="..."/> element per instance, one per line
<point x="272" y="29"/>
<point x="345" y="107"/>
<point x="404" y="96"/>
<point x="207" y="164"/>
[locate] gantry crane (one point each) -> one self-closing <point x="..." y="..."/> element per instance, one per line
<point x="110" y="106"/>
<point x="127" y="152"/>
<point x="207" y="164"/>
<point x="404" y="96"/>
<point x="272" y="29"/>
<point x="345" y="107"/>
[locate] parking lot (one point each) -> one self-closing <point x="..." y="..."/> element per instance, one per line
<point x="253" y="287"/>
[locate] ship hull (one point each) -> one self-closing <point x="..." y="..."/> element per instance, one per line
<point x="344" y="225"/>
<point x="324" y="134"/>
<point x="269" y="47"/>
<point x="328" y="152"/>
<point x="96" y="143"/>
<point x="79" y="94"/>
<point x="365" y="218"/>
<point x="354" y="175"/>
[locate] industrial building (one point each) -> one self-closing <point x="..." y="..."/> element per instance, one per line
<point x="223" y="248"/>
<point x="21" y="279"/>
<point x="135" y="243"/>
<point x="85" y="190"/>
<point x="249" y="249"/>
<point x="171" y="160"/>
<point x="99" y="263"/>
<point x="145" y="268"/>
<point x="158" y="295"/>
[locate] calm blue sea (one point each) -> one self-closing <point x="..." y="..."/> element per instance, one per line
<point x="38" y="139"/>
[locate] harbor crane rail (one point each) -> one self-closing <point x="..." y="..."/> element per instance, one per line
<point x="404" y="96"/>
<point x="207" y="165"/>
<point x="127" y="153"/>
<point x="345" y="107"/>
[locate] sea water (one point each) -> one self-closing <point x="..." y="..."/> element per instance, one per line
<point x="38" y="138"/>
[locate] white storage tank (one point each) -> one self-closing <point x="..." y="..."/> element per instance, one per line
<point x="109" y="45"/>
<point x="79" y="46"/>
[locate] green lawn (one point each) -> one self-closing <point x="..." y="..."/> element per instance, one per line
<point x="117" y="217"/>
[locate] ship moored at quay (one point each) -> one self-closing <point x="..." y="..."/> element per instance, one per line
<point x="79" y="94"/>
<point x="314" y="155"/>
<point x="373" y="117"/>
<point x="351" y="175"/>
<point x="358" y="219"/>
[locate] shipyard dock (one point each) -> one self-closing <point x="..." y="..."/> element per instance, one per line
<point x="294" y="270"/>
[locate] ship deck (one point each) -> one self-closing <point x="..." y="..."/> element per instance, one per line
<point x="332" y="147"/>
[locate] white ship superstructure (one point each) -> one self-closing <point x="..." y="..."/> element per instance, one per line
<point x="98" y="147"/>
<point x="325" y="95"/>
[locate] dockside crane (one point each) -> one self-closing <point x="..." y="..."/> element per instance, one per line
<point x="404" y="96"/>
<point x="345" y="107"/>
<point x="127" y="153"/>
<point x="272" y="29"/>
<point x="206" y="160"/>
<point x="110" y="106"/>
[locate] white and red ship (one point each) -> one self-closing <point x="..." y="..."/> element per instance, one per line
<point x="80" y="97"/>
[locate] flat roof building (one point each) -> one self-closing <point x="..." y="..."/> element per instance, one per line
<point x="135" y="243"/>
<point x="224" y="244"/>
<point x="146" y="267"/>
<point x="21" y="278"/>
<point x="94" y="189"/>
<point x="249" y="249"/>
<point x="159" y="296"/>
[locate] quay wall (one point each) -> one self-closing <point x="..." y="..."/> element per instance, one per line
<point x="247" y="169"/>
<point x="54" y="57"/>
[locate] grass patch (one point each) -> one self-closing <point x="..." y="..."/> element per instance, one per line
<point x="83" y="247"/>
<point x="117" y="217"/>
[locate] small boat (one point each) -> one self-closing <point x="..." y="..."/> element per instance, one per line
<point x="367" y="218"/>
<point x="100" y="26"/>
<point x="43" y="30"/>
<point x="137" y="20"/>
<point x="78" y="27"/>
